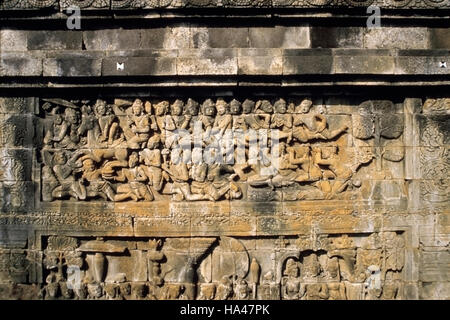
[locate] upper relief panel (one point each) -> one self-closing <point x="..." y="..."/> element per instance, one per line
<point x="220" y="150"/>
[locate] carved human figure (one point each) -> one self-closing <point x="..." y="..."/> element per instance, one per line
<point x="112" y="291"/>
<point x="138" y="126"/>
<point x="292" y="289"/>
<point x="95" y="291"/>
<point x="65" y="132"/>
<point x="311" y="266"/>
<point x="316" y="291"/>
<point x="207" y="291"/>
<point x="125" y="290"/>
<point x="242" y="290"/>
<point x="172" y="291"/>
<point x="191" y="113"/>
<point x="224" y="289"/>
<point x="269" y="289"/>
<point x="107" y="122"/>
<point x="151" y="156"/>
<point x="281" y="121"/>
<point x="97" y="186"/>
<point x="138" y="291"/>
<point x="64" y="170"/>
<point x="134" y="175"/>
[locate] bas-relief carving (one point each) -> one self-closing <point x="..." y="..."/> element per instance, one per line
<point x="363" y="266"/>
<point x="125" y="151"/>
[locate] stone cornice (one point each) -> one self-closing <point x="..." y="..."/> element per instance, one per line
<point x="60" y="5"/>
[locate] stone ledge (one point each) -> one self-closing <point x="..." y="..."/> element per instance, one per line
<point x="177" y="4"/>
<point x="203" y="62"/>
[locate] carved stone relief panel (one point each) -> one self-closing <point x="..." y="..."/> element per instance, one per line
<point x="235" y="150"/>
<point x="325" y="267"/>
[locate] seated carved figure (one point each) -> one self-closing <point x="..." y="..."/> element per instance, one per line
<point x="138" y="126"/>
<point x="95" y="185"/>
<point x="64" y="171"/>
<point x="134" y="176"/>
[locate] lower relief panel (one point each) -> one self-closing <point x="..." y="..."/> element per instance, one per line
<point x="317" y="267"/>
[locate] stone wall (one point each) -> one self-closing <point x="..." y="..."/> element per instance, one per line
<point x="353" y="203"/>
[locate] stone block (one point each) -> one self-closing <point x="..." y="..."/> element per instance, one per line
<point x="13" y="40"/>
<point x="397" y="38"/>
<point x="112" y="39"/>
<point x="260" y="65"/>
<point x="19" y="64"/>
<point x="219" y="37"/>
<point x="336" y="37"/>
<point x="17" y="105"/>
<point x="139" y="66"/>
<point x="72" y="67"/>
<point x="422" y="63"/>
<point x="175" y="37"/>
<point x="440" y="38"/>
<point x="207" y="65"/>
<point x="307" y="62"/>
<point x="54" y="40"/>
<point x="279" y="37"/>
<point x="363" y="62"/>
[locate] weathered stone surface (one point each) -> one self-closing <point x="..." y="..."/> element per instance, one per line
<point x="139" y="66"/>
<point x="338" y="37"/>
<point x="116" y="139"/>
<point x="54" y="40"/>
<point x="19" y="64"/>
<point x="397" y="38"/>
<point x="318" y="61"/>
<point x="361" y="62"/>
<point x="72" y="67"/>
<point x="279" y="37"/>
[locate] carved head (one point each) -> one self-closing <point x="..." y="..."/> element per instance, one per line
<point x="111" y="290"/>
<point x="264" y="106"/>
<point x="154" y="141"/>
<point x="100" y="107"/>
<point x="222" y="107"/>
<point x="58" y="119"/>
<point x="60" y="158"/>
<point x="235" y="107"/>
<point x="291" y="269"/>
<point x="72" y="116"/>
<point x="209" y="108"/>
<point x="161" y="108"/>
<point x="133" y="160"/>
<point x="88" y="165"/>
<point x="95" y="290"/>
<point x="125" y="289"/>
<point x="208" y="290"/>
<point x="248" y="106"/>
<point x="139" y="290"/>
<point x="304" y="106"/>
<point x="177" y="107"/>
<point x="192" y="107"/>
<point x="280" y="106"/>
<point x="137" y="107"/>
